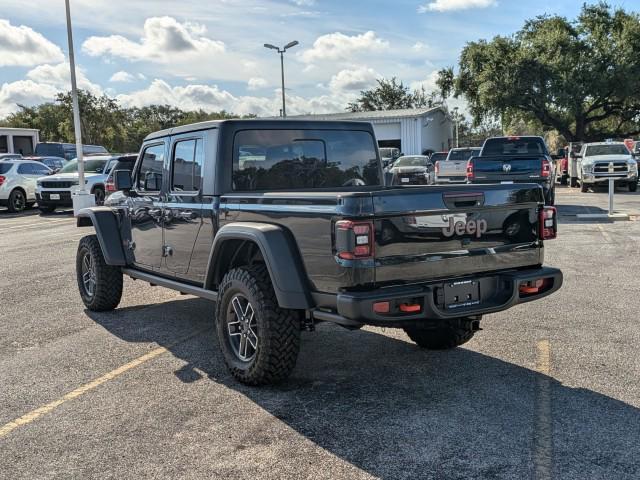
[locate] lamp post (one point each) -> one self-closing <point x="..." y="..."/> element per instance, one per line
<point x="81" y="199"/>
<point x="455" y="112"/>
<point x="281" y="52"/>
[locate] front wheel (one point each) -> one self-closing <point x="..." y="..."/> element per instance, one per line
<point x="633" y="186"/>
<point x="445" y="335"/>
<point x="259" y="340"/>
<point x="584" y="188"/>
<point x="100" y="284"/>
<point x="98" y="194"/>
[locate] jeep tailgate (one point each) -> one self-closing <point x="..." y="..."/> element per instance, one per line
<point x="424" y="233"/>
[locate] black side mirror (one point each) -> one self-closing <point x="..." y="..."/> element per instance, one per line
<point x="122" y="180"/>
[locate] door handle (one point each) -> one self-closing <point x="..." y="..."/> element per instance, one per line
<point x="187" y="215"/>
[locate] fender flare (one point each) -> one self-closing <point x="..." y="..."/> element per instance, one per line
<point x="107" y="227"/>
<point x="281" y="257"/>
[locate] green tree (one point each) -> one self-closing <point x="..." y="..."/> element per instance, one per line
<point x="580" y="78"/>
<point x="391" y="95"/>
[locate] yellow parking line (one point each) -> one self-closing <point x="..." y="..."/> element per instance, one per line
<point x="543" y="425"/>
<point x="49" y="407"/>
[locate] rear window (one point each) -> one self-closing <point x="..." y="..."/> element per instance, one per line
<point x="5" y="167"/>
<point x="460" y="154"/>
<point x="436" y="157"/>
<point x="303" y="159"/>
<point x="514" y="146"/>
<point x="593" y="150"/>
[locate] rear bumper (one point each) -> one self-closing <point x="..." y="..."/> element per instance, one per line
<point x="498" y="291"/>
<point x="450" y="179"/>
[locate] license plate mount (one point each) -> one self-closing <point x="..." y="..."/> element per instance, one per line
<point x="461" y="294"/>
<point x="54" y="196"/>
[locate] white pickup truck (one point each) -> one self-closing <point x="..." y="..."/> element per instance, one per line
<point x="597" y="162"/>
<point x="454" y="168"/>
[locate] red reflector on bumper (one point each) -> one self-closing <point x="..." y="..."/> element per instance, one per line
<point x="381" y="307"/>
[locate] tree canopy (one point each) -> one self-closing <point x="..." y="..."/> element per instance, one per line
<point x="391" y="95"/>
<point x="104" y="121"/>
<point x="580" y="77"/>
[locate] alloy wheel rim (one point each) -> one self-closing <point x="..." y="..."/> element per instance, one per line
<point x="18" y="201"/>
<point x="242" y="328"/>
<point x="88" y="275"/>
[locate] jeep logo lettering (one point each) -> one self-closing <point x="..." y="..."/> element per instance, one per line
<point x="472" y="227"/>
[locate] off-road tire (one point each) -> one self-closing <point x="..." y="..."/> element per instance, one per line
<point x="17" y="201"/>
<point x="108" y="278"/>
<point x="278" y="329"/>
<point x="444" y="336"/>
<point x="633" y="186"/>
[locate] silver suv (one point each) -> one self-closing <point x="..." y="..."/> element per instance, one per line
<point x="18" y="183"/>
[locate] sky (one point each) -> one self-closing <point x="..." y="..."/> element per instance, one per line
<point x="209" y="54"/>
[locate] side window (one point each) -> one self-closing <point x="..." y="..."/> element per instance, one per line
<point x="25" y="169"/>
<point x="149" y="178"/>
<point x="39" y="169"/>
<point x="187" y="166"/>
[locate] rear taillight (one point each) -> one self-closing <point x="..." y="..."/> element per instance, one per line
<point x="469" y="170"/>
<point x="548" y="223"/>
<point x="437" y="168"/>
<point x="546" y="168"/>
<point x="354" y="240"/>
<point x="110" y="187"/>
<point x="2" y="179"/>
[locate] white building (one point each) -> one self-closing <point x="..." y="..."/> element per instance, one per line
<point x="411" y="130"/>
<point x="18" y="140"/>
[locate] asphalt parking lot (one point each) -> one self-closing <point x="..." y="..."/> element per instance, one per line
<point x="549" y="389"/>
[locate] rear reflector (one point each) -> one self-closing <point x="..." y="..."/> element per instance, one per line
<point x="381" y="307"/>
<point x="409" y="307"/>
<point x="535" y="286"/>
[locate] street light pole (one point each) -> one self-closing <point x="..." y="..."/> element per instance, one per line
<point x="281" y="52"/>
<point x="455" y="112"/>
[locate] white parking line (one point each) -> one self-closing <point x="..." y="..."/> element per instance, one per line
<point x="31" y="225"/>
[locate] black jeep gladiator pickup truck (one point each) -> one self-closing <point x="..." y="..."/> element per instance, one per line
<point x="286" y="223"/>
<point x="514" y="160"/>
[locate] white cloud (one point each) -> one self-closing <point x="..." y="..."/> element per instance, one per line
<point x="256" y="83"/>
<point x="355" y="79"/>
<point x="59" y="76"/>
<point x="163" y="39"/>
<point x="212" y="98"/>
<point x="23" y="92"/>
<point x="449" y="5"/>
<point x="122" y="76"/>
<point x="22" y="46"/>
<point x="338" y="46"/>
<point x="304" y="3"/>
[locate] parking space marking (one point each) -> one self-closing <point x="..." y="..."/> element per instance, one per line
<point x="604" y="234"/>
<point x="49" y="407"/>
<point x="543" y="443"/>
<point x="31" y="225"/>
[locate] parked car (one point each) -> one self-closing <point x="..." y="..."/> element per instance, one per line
<point x="599" y="161"/>
<point x="389" y="155"/>
<point x="54" y="163"/>
<point x="125" y="162"/>
<point x="18" y="183"/>
<point x="66" y="150"/>
<point x="298" y="234"/>
<point x="437" y="157"/>
<point x="412" y="170"/>
<point x="9" y="156"/>
<point x="55" y="191"/>
<point x="453" y="169"/>
<point x="514" y="160"/>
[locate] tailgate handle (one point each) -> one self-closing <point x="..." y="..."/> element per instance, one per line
<point x="463" y="199"/>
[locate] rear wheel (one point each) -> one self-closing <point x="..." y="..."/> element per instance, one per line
<point x="259" y="340"/>
<point x="100" y="284"/>
<point x="98" y="193"/>
<point x="445" y="335"/>
<point x="17" y="201"/>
